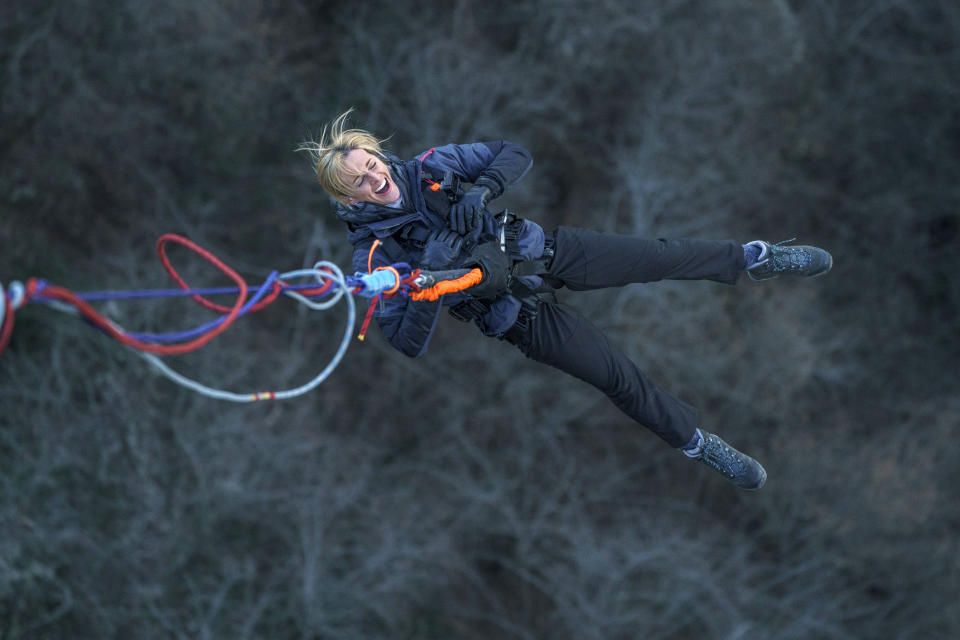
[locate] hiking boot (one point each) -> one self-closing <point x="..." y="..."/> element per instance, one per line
<point x="776" y="260"/>
<point x="738" y="468"/>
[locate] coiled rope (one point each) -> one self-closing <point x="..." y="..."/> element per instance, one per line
<point x="328" y="282"/>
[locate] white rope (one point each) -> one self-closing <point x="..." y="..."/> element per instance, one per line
<point x="305" y="273"/>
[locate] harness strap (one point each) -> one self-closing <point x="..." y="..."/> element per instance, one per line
<point x="473" y="309"/>
<point x="392" y="248"/>
<point x="512" y="227"/>
<point x="531" y="267"/>
<point x="528" y="311"/>
<point x="470" y="310"/>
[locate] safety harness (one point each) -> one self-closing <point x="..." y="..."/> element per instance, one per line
<point x="439" y="196"/>
<point x="473" y="308"/>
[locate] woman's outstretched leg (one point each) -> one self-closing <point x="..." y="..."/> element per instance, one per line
<point x="585" y="259"/>
<point x="563" y="338"/>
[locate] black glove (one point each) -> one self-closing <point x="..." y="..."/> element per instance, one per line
<point x="496" y="270"/>
<point x="441" y="250"/>
<point x="466" y="213"/>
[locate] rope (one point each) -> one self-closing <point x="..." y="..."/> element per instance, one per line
<point x="6" y="311"/>
<point x="329" y="281"/>
<point x="474" y="276"/>
<point x="205" y="335"/>
<point x="219" y="394"/>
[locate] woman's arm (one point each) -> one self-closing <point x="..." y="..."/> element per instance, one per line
<point x="495" y="165"/>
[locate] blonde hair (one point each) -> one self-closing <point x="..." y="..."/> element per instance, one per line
<point x="330" y="153"/>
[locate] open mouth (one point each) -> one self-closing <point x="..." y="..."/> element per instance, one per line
<point x="383" y="188"/>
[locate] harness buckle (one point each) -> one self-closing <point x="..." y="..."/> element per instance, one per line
<point x="510" y="227"/>
<point x="451" y="186"/>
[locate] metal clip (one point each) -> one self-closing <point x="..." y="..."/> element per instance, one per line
<point x="504" y="218"/>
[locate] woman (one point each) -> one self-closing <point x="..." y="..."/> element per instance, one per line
<point x="423" y="215"/>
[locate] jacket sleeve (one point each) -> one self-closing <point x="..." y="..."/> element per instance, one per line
<point x="406" y="324"/>
<point x="495" y="165"/>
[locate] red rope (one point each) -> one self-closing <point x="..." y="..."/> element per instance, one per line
<point x="213" y="306"/>
<point x="7" y="328"/>
<point x="369" y="316"/>
<point x="118" y="334"/>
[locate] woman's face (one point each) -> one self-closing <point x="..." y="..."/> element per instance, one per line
<point x="375" y="184"/>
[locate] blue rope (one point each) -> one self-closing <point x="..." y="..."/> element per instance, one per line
<point x="186" y="335"/>
<point x="96" y="296"/>
<point x="369" y="285"/>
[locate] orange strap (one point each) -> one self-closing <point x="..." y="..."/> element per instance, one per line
<point x="373" y="247"/>
<point x="474" y="276"/>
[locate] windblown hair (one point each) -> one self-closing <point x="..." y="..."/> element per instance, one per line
<point x="330" y="152"/>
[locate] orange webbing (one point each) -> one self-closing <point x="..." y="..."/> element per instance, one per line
<point x="373" y="247"/>
<point x="474" y="276"/>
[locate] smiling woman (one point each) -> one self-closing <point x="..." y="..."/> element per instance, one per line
<point x="346" y="159"/>
<point x="418" y="214"/>
<point x="372" y="182"/>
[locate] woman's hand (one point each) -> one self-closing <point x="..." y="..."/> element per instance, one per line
<point x="441" y="250"/>
<point x="465" y="215"/>
<point x="495" y="265"/>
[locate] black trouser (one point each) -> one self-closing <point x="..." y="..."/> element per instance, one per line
<point x="561" y="337"/>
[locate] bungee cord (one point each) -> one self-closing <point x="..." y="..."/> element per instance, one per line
<point x="329" y="286"/>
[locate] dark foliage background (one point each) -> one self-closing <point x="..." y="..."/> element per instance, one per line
<point x="473" y="494"/>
